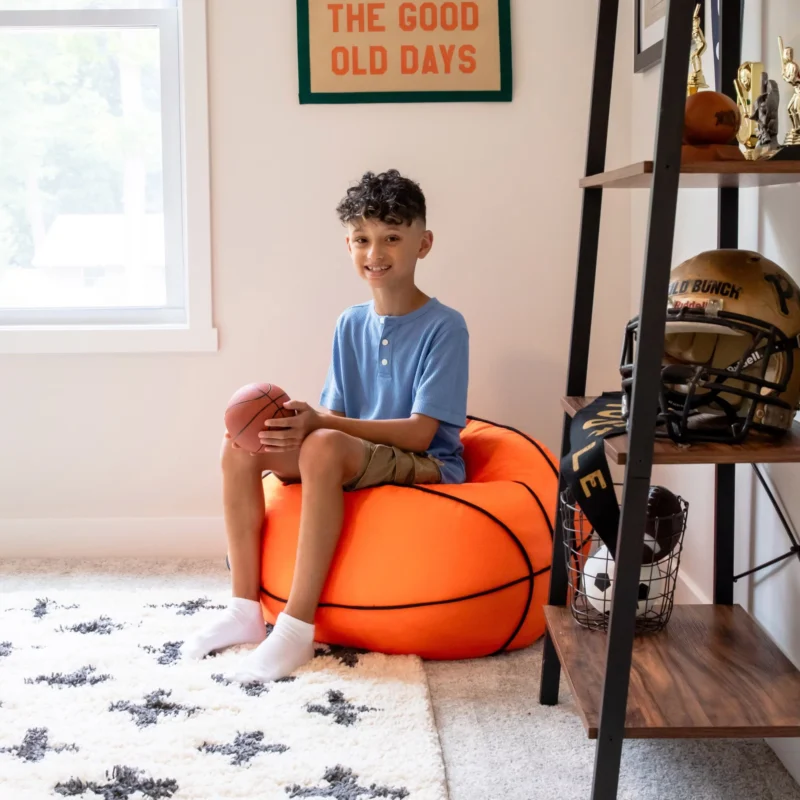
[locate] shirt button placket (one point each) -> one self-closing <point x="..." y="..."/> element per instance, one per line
<point x="384" y="349"/>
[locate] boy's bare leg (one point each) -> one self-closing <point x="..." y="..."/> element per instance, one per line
<point x="243" y="503"/>
<point x="328" y="460"/>
<point x="243" y="500"/>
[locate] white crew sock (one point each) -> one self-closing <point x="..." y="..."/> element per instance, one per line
<point x="288" y="647"/>
<point x="241" y="623"/>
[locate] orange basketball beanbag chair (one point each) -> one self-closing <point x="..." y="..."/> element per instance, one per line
<point x="444" y="571"/>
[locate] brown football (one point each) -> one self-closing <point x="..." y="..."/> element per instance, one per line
<point x="710" y="118"/>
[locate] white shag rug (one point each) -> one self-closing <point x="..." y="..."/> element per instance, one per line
<point x="97" y="702"/>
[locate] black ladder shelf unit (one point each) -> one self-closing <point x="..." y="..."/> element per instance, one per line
<point x="713" y="672"/>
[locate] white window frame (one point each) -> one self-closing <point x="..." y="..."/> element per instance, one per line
<point x="187" y="326"/>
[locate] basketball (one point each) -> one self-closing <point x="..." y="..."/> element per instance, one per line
<point x="249" y="408"/>
<point x="664" y="525"/>
<point x="710" y="118"/>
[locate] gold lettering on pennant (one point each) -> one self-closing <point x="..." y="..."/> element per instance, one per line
<point x="577" y="455"/>
<point x="593" y="479"/>
<point x="602" y="431"/>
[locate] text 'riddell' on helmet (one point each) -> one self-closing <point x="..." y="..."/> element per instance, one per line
<point x="730" y="362"/>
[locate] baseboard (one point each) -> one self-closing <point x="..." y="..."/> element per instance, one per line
<point x="119" y="537"/>
<point x="687" y="591"/>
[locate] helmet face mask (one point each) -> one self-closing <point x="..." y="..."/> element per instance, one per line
<point x="725" y="374"/>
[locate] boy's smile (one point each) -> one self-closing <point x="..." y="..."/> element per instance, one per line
<point x="385" y="254"/>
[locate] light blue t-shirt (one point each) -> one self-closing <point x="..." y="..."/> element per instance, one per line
<point x="393" y="367"/>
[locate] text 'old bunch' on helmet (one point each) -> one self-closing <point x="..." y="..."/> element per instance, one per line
<point x="730" y="362"/>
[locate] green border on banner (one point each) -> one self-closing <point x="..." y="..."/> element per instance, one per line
<point x="502" y="95"/>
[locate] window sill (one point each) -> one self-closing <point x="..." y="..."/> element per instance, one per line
<point x="33" y="340"/>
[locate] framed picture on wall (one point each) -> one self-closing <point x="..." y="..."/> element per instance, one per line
<point x="649" y="24"/>
<point x="404" y="52"/>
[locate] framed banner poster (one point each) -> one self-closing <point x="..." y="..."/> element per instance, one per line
<point x="404" y="52"/>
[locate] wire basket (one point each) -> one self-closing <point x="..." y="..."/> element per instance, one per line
<point x="590" y="568"/>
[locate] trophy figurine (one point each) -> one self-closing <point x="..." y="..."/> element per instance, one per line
<point x="791" y="74"/>
<point x="747" y="82"/>
<point x="697" y="80"/>
<point x="711" y="120"/>
<point x="767" y="106"/>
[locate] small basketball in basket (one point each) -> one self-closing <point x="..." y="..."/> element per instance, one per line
<point x="249" y="408"/>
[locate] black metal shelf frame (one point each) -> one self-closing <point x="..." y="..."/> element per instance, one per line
<point x="655" y="279"/>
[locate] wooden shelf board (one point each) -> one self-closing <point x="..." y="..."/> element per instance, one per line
<point x="758" y="449"/>
<point x="712" y="673"/>
<point x="700" y="175"/>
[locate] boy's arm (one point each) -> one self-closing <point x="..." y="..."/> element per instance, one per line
<point x="414" y="434"/>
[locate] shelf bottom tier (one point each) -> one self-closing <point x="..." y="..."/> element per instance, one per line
<point x="712" y="673"/>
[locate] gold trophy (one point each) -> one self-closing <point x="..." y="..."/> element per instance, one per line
<point x="791" y="74"/>
<point x="711" y="120"/>
<point x="697" y="80"/>
<point x="747" y="83"/>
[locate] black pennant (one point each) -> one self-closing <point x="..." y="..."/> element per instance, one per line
<point x="585" y="467"/>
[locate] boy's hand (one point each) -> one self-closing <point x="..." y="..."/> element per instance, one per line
<point x="306" y="419"/>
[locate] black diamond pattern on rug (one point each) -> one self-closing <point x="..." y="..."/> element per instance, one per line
<point x="47" y="606"/>
<point x="155" y="705"/>
<point x="245" y="747"/>
<point x="5" y="649"/>
<point x="343" y="785"/>
<point x="81" y="677"/>
<point x="345" y="655"/>
<point x="342" y="710"/>
<point x="168" y="653"/>
<point x="103" y="625"/>
<point x="251" y="689"/>
<point x="123" y="784"/>
<point x="35" y="745"/>
<point x="189" y="607"/>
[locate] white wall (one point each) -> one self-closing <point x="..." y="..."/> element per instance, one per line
<point x="117" y="455"/>
<point x="767" y="224"/>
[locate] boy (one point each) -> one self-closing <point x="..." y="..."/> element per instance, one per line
<point x="394" y="404"/>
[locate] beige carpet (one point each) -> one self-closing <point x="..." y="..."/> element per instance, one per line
<point x="498" y="742"/>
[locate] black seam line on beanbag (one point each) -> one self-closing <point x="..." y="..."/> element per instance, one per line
<point x="519" y="433"/>
<point x="539" y="503"/>
<point x="514" y="537"/>
<point x="403" y="606"/>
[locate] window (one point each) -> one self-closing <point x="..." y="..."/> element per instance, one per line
<point x="104" y="230"/>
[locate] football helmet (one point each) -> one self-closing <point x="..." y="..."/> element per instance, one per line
<point x="730" y="363"/>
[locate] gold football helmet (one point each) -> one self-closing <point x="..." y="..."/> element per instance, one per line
<point x="730" y="362"/>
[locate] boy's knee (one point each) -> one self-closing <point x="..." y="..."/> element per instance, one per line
<point x="225" y="450"/>
<point x="322" y="451"/>
<point x="230" y="456"/>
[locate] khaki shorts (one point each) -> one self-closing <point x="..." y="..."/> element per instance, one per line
<point x="389" y="465"/>
<point x="385" y="464"/>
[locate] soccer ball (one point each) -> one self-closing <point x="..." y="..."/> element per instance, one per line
<point x="598" y="584"/>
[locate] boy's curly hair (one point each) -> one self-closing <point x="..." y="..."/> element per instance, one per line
<point x="389" y="197"/>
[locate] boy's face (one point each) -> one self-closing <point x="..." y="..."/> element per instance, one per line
<point x="384" y="254"/>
